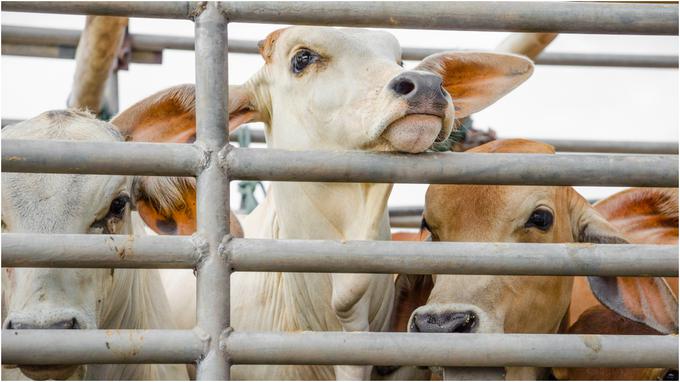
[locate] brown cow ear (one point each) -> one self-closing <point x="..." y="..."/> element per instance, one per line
<point x="647" y="300"/>
<point x="170" y="115"/>
<point x="168" y="205"/>
<point x="410" y="292"/>
<point x="475" y="80"/>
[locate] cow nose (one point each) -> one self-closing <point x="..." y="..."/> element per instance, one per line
<point x="444" y="322"/>
<point x="419" y="89"/>
<point x="64" y="324"/>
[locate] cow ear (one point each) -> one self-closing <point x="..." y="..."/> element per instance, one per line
<point x="475" y="80"/>
<point x="170" y="115"/>
<point x="647" y="300"/>
<point x="645" y="215"/>
<point x="168" y="205"/>
<point x="410" y="292"/>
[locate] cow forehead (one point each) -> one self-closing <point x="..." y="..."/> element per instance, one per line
<point x="327" y="40"/>
<point x="486" y="207"/>
<point x="58" y="202"/>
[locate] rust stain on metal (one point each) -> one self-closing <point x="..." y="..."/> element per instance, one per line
<point x="15" y="158"/>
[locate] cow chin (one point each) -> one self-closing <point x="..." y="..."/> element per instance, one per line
<point x="413" y="133"/>
<point x="54" y="372"/>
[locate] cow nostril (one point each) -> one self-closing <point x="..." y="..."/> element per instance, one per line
<point x="403" y="86"/>
<point x="447" y="322"/>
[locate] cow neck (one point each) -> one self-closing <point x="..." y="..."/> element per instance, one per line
<point x="135" y="299"/>
<point x="331" y="211"/>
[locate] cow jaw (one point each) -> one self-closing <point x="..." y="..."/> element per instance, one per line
<point x="413" y="133"/>
<point x="52" y="372"/>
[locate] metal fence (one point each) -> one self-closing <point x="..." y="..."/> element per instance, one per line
<point x="213" y="345"/>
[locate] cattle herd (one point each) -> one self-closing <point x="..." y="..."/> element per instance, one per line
<point x="338" y="90"/>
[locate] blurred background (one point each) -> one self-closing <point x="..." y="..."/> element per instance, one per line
<point x="558" y="102"/>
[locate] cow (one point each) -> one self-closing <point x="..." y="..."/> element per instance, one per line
<point x="339" y="90"/>
<point x="483" y="213"/>
<point x="45" y="298"/>
<point x="644" y="216"/>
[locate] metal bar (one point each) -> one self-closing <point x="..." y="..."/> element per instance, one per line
<point x="454" y="168"/>
<point x="98" y="251"/>
<point x="121" y="158"/>
<point x="122" y="251"/>
<point x="148" y="48"/>
<point x="212" y="189"/>
<point x="77" y="347"/>
<point x="413" y="221"/>
<point x="429" y="349"/>
<point x="405" y="211"/>
<point x="639" y="147"/>
<point x="260" y="255"/>
<point x="152" y="9"/>
<point x="559" y="17"/>
<point x="69" y="52"/>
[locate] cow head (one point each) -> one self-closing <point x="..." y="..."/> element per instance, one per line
<point x="345" y="89"/>
<point x="483" y="213"/>
<point x="44" y="298"/>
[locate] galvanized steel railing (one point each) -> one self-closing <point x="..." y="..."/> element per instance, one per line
<point x="213" y="344"/>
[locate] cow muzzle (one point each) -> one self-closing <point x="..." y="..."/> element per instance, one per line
<point x="426" y="117"/>
<point x="45" y="372"/>
<point x="444" y="322"/>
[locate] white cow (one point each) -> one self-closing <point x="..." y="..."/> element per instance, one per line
<point x="337" y="90"/>
<point x="44" y="298"/>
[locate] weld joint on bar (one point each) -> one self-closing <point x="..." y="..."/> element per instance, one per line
<point x="206" y="159"/>
<point x="201" y="248"/>
<point x="223" y="158"/>
<point x="225" y="249"/>
<point x="196" y="11"/>
<point x="204" y="337"/>
<point x="223" y="340"/>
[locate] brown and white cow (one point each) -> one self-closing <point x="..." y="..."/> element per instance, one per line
<point x="481" y="213"/>
<point x="644" y="216"/>
<point x="45" y="298"/>
<point x="338" y="90"/>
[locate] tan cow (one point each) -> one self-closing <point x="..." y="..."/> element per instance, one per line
<point x="644" y="216"/>
<point x="333" y="89"/>
<point x="45" y="298"/>
<point x="480" y="213"/>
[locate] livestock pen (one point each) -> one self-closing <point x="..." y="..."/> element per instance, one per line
<point x="213" y="345"/>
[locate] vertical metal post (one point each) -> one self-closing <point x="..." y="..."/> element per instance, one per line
<point x="212" y="187"/>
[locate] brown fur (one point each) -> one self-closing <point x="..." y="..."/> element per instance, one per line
<point x="166" y="204"/>
<point x="600" y="320"/>
<point x="268" y="45"/>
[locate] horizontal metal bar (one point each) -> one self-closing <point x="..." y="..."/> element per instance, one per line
<point x="98" y="251"/>
<point x="152" y="9"/>
<point x="146" y="48"/>
<point x="561" y="145"/>
<point x="405" y="221"/>
<point x="429" y="349"/>
<point x="616" y="60"/>
<point x="261" y="255"/>
<point x="121" y="158"/>
<point x="454" y="168"/>
<point x="637" y="147"/>
<point x="77" y="347"/>
<point x="69" y="52"/>
<point x="562" y="17"/>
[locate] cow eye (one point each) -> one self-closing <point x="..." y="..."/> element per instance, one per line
<point x="671" y="375"/>
<point x="118" y="205"/>
<point x="541" y="218"/>
<point x="302" y="59"/>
